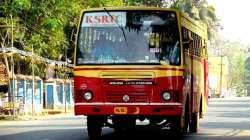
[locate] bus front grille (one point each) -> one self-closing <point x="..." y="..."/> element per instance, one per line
<point x="117" y="97"/>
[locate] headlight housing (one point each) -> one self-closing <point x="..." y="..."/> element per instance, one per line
<point x="88" y="96"/>
<point x="166" y="96"/>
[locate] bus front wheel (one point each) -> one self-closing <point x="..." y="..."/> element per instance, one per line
<point x="176" y="128"/>
<point x="124" y="123"/>
<point x="94" y="126"/>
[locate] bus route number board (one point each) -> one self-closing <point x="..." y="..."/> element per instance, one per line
<point x="104" y="19"/>
<point x="120" y="110"/>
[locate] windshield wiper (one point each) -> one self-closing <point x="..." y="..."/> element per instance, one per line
<point x="120" y="27"/>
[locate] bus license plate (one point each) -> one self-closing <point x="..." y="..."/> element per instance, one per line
<point x="120" y="110"/>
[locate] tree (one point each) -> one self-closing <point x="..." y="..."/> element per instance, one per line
<point x="158" y="3"/>
<point x="235" y="52"/>
<point x="201" y="11"/>
<point x="103" y="3"/>
<point x="48" y="30"/>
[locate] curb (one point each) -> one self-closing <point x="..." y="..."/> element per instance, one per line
<point x="27" y="118"/>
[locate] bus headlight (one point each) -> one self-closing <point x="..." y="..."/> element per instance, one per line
<point x="166" y="96"/>
<point x="88" y="96"/>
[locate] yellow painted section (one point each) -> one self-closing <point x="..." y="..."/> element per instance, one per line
<point x="130" y="8"/>
<point x="198" y="72"/>
<point x="128" y="73"/>
<point x="198" y="67"/>
<point x="194" y="26"/>
<point x="129" y="66"/>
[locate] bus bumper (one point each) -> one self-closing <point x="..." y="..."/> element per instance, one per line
<point x="168" y="109"/>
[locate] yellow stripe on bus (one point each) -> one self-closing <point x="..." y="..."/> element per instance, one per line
<point x="128" y="73"/>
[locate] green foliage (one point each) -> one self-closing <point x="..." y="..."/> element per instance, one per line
<point x="237" y="69"/>
<point x="201" y="11"/>
<point x="45" y="25"/>
<point x="103" y="3"/>
<point x="21" y="4"/>
<point x="158" y="3"/>
<point x="48" y="25"/>
<point x="51" y="23"/>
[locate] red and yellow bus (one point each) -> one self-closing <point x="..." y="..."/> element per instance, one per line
<point x="140" y="63"/>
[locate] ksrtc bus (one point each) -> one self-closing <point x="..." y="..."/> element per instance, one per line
<point x="139" y="63"/>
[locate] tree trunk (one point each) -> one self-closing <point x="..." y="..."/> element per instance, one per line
<point x="6" y="63"/>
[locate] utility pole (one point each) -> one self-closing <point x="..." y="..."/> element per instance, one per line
<point x="33" y="83"/>
<point x="65" y="82"/>
<point x="221" y="64"/>
<point x="8" y="67"/>
<point x="6" y="61"/>
<point x="12" y="69"/>
<point x="65" y="96"/>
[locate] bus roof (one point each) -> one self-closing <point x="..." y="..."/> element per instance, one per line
<point x="131" y="8"/>
<point x="193" y="25"/>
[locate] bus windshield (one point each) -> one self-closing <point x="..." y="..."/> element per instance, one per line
<point x="128" y="37"/>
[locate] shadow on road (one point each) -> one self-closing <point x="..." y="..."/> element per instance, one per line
<point x="59" y="134"/>
<point x="140" y="134"/>
<point x="108" y="134"/>
<point x="81" y="134"/>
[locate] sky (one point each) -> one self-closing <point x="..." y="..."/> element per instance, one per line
<point x="234" y="16"/>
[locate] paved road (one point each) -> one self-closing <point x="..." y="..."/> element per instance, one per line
<point x="227" y="119"/>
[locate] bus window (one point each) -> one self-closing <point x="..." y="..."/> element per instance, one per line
<point x="133" y="37"/>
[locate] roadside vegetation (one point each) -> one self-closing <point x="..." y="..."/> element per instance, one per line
<point x="49" y="26"/>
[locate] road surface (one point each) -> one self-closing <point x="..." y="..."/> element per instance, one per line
<point x="227" y="119"/>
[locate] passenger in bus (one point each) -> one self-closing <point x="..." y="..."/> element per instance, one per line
<point x="121" y="50"/>
<point x="138" y="47"/>
<point x="103" y="49"/>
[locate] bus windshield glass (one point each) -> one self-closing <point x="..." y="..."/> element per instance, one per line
<point x="128" y="37"/>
